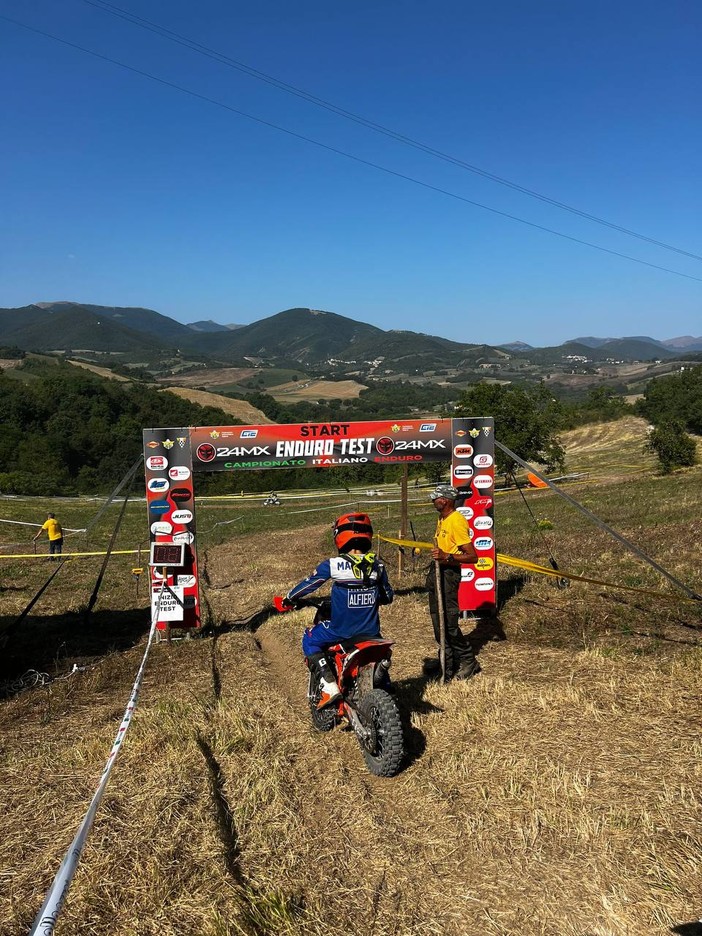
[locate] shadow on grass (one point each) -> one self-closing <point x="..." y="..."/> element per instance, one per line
<point x="508" y="588"/>
<point x="53" y="643"/>
<point x="688" y="929"/>
<point x="409" y="694"/>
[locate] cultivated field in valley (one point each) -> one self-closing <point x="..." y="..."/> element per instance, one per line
<point x="557" y="793"/>
<point x="304" y="390"/>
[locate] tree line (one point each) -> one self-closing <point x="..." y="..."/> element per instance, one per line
<point x="67" y="431"/>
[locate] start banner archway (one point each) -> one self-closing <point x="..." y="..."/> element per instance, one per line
<point x="172" y="456"/>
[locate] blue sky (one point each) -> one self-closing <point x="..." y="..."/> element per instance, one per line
<point x="119" y="190"/>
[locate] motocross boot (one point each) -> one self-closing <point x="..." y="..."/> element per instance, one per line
<point x="330" y="693"/>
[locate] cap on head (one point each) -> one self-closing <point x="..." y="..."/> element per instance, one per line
<point x="444" y="490"/>
<point x="353" y="531"/>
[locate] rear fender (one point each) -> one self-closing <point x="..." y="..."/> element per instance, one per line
<point x="364" y="659"/>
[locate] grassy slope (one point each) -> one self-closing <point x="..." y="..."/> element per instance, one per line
<point x="556" y="794"/>
<point x="239" y="409"/>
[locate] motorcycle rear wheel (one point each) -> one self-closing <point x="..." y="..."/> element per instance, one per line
<point x="384" y="750"/>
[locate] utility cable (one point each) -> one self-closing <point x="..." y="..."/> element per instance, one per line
<point x="125" y="480"/>
<point x="552" y="561"/>
<point x="347" y="155"/>
<point x="600" y="523"/>
<point x="103" y="567"/>
<point x="223" y="59"/>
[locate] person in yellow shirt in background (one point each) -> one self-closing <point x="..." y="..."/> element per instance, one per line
<point x="55" y="533"/>
<point x="453" y="548"/>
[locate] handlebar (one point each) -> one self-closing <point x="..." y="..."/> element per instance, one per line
<point x="281" y="604"/>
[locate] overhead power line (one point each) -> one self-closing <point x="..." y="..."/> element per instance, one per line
<point x="332" y="149"/>
<point x="175" y="37"/>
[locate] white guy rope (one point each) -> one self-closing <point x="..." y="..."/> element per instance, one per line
<point x="45" y="920"/>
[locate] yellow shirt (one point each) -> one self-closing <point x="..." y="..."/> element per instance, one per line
<point x="53" y="528"/>
<point x="452" y="532"/>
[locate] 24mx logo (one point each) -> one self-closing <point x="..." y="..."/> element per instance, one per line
<point x="416" y="444"/>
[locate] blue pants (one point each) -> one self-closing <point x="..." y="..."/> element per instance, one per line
<point x="316" y="639"/>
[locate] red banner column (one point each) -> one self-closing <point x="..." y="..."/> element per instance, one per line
<point x="171" y="505"/>
<point x="473" y="473"/>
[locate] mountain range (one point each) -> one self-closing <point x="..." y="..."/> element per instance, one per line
<point x="301" y="336"/>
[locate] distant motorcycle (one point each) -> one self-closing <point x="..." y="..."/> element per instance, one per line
<point x="272" y="501"/>
<point x="366" y="704"/>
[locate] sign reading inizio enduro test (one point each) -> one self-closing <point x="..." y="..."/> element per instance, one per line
<point x="173" y="455"/>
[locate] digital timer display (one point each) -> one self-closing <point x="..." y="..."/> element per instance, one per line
<point x="167" y="554"/>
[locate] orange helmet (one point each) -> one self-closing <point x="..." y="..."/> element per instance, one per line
<point x="353" y="531"/>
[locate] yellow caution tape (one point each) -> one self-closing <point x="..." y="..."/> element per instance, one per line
<point x="545" y="570"/>
<point x="115" y="552"/>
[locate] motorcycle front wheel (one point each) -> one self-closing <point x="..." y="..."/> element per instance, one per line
<point x="384" y="747"/>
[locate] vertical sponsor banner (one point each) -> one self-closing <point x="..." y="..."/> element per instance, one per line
<point x="171" y="508"/>
<point x="473" y="473"/>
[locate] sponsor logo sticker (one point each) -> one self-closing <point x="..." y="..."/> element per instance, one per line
<point x="474" y="433"/>
<point x="463" y="471"/>
<point x="460" y="433"/>
<point x="482" y="502"/>
<point x="181" y="494"/>
<point x="159" y="506"/>
<point x="178" y="473"/>
<point x="157" y="462"/>
<point x="483" y="542"/>
<point x="185" y="516"/>
<point x="186" y="537"/>
<point x="481" y="523"/>
<point x="181" y="441"/>
<point x="168" y="443"/>
<point x="385" y="445"/>
<point x="467" y="574"/>
<point x="394" y="428"/>
<point x="206" y="452"/>
<point x="248" y="433"/>
<point x="484" y="584"/>
<point x="482" y="461"/>
<point x="214" y="434"/>
<point x="482" y="481"/>
<point x="161" y="526"/>
<point x="427" y="427"/>
<point x="186" y="581"/>
<point x="463" y="451"/>
<point x="152" y="444"/>
<point x="484" y="564"/>
<point x="466" y="511"/>
<point x="157" y="484"/>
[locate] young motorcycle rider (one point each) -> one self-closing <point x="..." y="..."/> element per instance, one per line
<point x="359" y="586"/>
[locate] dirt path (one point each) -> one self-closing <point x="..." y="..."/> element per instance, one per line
<point x="555" y="795"/>
<point x="551" y="795"/>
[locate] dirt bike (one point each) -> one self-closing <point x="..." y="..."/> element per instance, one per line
<point x="366" y="704"/>
<point x="272" y="501"/>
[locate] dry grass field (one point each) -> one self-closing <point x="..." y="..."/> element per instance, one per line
<point x="212" y="377"/>
<point x="239" y="409"/>
<point x="556" y="794"/>
<point x="304" y="390"/>
<point x="100" y="371"/>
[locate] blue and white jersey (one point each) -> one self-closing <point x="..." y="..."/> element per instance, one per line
<point x="355" y="596"/>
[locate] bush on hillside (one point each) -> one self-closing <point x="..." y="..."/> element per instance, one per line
<point x="673" y="446"/>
